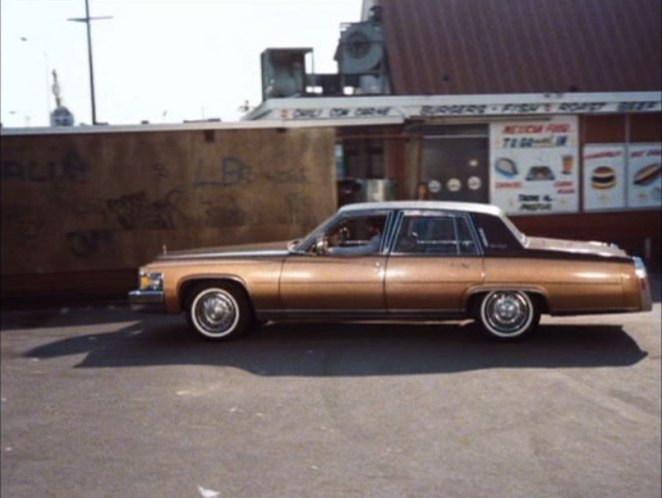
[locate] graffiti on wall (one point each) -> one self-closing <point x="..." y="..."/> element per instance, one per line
<point x="70" y="168"/>
<point x="86" y="243"/>
<point x="160" y="171"/>
<point x="232" y="172"/>
<point x="24" y="224"/>
<point x="135" y="211"/>
<point x="77" y="207"/>
<point x="287" y="176"/>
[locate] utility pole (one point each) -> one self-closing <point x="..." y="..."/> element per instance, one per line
<point x="87" y="20"/>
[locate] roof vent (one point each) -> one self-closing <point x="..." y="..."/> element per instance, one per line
<point x="284" y="72"/>
<point x="361" y="48"/>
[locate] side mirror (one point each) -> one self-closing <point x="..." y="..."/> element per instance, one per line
<point x="292" y="244"/>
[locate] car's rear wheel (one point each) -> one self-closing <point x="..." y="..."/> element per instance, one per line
<point x="508" y="314"/>
<point x="218" y="311"/>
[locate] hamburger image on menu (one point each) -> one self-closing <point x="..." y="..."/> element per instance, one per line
<point x="603" y="177"/>
<point x="537" y="173"/>
<point x="648" y="174"/>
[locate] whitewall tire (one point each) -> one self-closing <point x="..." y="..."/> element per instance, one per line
<point x="218" y="311"/>
<point x="508" y="314"/>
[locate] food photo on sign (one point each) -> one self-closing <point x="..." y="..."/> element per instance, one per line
<point x="645" y="175"/>
<point x="534" y="166"/>
<point x="604" y="176"/>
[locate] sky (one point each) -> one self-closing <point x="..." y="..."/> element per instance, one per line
<point x="164" y="61"/>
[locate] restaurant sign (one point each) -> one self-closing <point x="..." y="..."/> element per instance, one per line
<point x="384" y="108"/>
<point x="534" y="166"/>
<point x="539" y="108"/>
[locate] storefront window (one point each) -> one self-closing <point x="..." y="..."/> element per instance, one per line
<point x="454" y="161"/>
<point x="364" y="158"/>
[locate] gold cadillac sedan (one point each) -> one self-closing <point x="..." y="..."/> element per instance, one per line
<point x="416" y="260"/>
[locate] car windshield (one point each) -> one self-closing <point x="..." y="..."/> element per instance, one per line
<point x="303" y="241"/>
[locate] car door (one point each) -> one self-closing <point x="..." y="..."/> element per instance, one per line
<point x="434" y="259"/>
<point x="346" y="276"/>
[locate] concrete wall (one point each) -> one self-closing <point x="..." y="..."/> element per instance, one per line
<point x="94" y="202"/>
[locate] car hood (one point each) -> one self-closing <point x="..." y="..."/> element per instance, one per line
<point x="574" y="246"/>
<point x="265" y="249"/>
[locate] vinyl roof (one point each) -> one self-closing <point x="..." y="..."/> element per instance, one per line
<point x="520" y="46"/>
<point x="449" y="206"/>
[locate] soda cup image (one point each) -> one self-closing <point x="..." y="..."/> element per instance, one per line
<point x="568" y="163"/>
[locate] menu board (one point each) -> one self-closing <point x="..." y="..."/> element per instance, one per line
<point x="644" y="175"/>
<point x="534" y="166"/>
<point x="604" y="176"/>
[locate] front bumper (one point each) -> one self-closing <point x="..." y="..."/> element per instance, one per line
<point x="147" y="301"/>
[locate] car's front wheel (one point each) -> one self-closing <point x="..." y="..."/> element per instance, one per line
<point x="508" y="314"/>
<point x="218" y="311"/>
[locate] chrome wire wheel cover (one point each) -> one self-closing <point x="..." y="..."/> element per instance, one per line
<point x="507" y="313"/>
<point x="215" y="312"/>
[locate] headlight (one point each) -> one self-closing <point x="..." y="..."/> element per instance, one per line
<point x="151" y="280"/>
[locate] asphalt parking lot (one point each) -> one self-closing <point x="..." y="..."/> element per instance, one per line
<point x="98" y="401"/>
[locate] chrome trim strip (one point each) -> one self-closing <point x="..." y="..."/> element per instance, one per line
<point x="394" y="314"/>
<point x="456" y="234"/>
<point x="395" y="229"/>
<point x="483" y="238"/>
<point x="432" y="255"/>
<point x="474" y="234"/>
<point x="388" y="230"/>
<point x="235" y="254"/>
<point x="593" y="311"/>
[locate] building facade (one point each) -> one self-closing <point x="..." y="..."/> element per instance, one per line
<point x="551" y="111"/>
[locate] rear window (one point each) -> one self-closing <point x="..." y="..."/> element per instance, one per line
<point x="495" y="236"/>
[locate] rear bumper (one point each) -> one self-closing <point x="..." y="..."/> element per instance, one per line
<point x="646" y="298"/>
<point x="147" y="301"/>
<point x="644" y="284"/>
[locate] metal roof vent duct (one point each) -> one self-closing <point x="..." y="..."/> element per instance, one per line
<point x="361" y="48"/>
<point x="361" y="55"/>
<point x="284" y="72"/>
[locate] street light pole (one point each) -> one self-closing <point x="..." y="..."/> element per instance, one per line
<point x="87" y="20"/>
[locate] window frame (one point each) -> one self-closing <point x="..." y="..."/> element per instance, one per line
<point x="304" y="248"/>
<point x="455" y="215"/>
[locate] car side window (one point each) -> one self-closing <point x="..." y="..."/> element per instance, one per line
<point x="353" y="236"/>
<point x="444" y="235"/>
